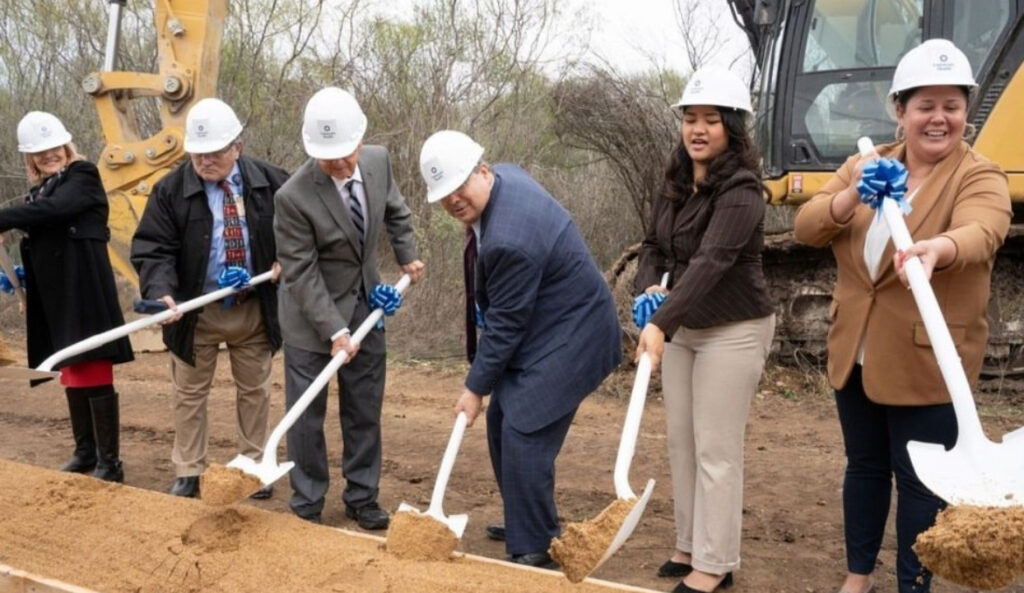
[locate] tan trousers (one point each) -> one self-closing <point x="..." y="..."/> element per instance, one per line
<point x="241" y="328"/>
<point x="709" y="377"/>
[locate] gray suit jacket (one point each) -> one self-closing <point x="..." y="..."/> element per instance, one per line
<point x="322" y="267"/>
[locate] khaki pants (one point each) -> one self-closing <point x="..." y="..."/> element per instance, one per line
<point x="709" y="377"/>
<point x="241" y="328"/>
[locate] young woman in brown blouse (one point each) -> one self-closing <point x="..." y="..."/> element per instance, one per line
<point x="706" y="232"/>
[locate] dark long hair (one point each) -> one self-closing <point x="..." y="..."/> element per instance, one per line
<point x="739" y="154"/>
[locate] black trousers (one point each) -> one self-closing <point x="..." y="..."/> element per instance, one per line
<point x="875" y="437"/>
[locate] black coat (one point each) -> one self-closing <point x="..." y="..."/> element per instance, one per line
<point x="171" y="246"/>
<point x="70" y="287"/>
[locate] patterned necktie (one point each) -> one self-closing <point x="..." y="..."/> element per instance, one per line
<point x="356" y="211"/>
<point x="234" y="243"/>
<point x="469" y="275"/>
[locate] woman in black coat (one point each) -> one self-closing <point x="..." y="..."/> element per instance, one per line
<point x="70" y="285"/>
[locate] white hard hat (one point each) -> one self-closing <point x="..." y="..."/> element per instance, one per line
<point x="447" y="159"/>
<point x="936" y="62"/>
<point x="333" y="124"/>
<point x="39" y="131"/>
<point x="210" y="126"/>
<point x="715" y="86"/>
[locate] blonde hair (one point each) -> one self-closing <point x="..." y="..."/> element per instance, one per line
<point x="36" y="176"/>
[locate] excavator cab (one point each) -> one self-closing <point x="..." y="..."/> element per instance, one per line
<point x="825" y="67"/>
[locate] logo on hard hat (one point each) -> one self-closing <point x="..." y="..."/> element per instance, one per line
<point x="436" y="173"/>
<point x="326" y="127"/>
<point x="201" y="128"/>
<point x="44" y="131"/>
<point x="698" y="86"/>
<point x="943" y="58"/>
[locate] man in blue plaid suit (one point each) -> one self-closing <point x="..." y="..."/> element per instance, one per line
<point x="550" y="330"/>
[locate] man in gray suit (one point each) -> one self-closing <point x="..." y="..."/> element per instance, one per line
<point x="551" y="333"/>
<point x="330" y="214"/>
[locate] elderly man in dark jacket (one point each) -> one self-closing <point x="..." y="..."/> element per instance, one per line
<point x="213" y="212"/>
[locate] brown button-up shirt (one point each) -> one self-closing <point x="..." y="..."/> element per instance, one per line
<point x="711" y="245"/>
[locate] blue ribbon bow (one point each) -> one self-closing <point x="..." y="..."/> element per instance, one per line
<point x="479" y="316"/>
<point x="884" y="178"/>
<point x="235" y="277"/>
<point x="5" y="283"/>
<point x="644" y="307"/>
<point x="386" y="297"/>
<point x="19" y="271"/>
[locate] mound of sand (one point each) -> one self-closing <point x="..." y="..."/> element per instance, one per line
<point x="581" y="545"/>
<point x="980" y="547"/>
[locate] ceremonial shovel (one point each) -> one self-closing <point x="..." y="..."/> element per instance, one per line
<point x="976" y="471"/>
<point x="457" y="523"/>
<point x="267" y="469"/>
<point x="45" y="370"/>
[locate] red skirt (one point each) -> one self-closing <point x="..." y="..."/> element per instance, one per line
<point x="94" y="373"/>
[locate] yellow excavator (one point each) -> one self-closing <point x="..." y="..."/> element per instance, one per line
<point x="824" y="68"/>
<point x="188" y="35"/>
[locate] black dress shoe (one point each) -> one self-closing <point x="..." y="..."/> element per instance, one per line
<point x="369" y="516"/>
<point x="187" y="487"/>
<point x="538" y="559"/>
<point x="724" y="584"/>
<point x="674" y="569"/>
<point x="263" y="493"/>
<point x="495" y="531"/>
<point x="315" y="518"/>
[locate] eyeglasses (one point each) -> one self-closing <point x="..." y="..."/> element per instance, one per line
<point x="213" y="156"/>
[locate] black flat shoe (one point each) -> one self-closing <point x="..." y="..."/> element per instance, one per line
<point x="537" y="559"/>
<point x="263" y="493"/>
<point x="495" y="531"/>
<point x="187" y="487"/>
<point x="674" y="569"/>
<point x="724" y="584"/>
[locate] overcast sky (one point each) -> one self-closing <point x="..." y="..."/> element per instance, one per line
<point x="631" y="32"/>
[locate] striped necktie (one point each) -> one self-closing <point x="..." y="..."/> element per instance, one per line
<point x="356" y="211"/>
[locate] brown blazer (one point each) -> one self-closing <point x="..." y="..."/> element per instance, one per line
<point x="711" y="245"/>
<point x="967" y="199"/>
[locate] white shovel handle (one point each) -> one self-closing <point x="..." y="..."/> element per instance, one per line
<point x="128" y="328"/>
<point x="307" y="397"/>
<point x="969" y="425"/>
<point x="631" y="428"/>
<point x="447" y="463"/>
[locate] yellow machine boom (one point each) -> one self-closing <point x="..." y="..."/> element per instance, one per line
<point x="188" y="51"/>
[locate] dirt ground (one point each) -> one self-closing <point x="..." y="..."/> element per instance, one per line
<point x="792" y="540"/>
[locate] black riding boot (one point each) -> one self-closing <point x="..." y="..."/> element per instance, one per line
<point x="83" y="460"/>
<point x="106" y="423"/>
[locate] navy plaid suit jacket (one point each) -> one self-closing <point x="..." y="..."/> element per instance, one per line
<point x="552" y="333"/>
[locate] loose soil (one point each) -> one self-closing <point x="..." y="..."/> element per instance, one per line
<point x="979" y="547"/>
<point x="413" y="536"/>
<point x="582" y="545"/>
<point x="220" y="485"/>
<point x="792" y="524"/>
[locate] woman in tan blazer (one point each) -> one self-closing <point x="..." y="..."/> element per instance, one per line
<point x="706" y="231"/>
<point x="887" y="383"/>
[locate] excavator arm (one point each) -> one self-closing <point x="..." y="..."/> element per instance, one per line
<point x="188" y="36"/>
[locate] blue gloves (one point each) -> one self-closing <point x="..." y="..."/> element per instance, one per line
<point x="234" y="276"/>
<point x="644" y="307"/>
<point x="5" y="282"/>
<point x="884" y="178"/>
